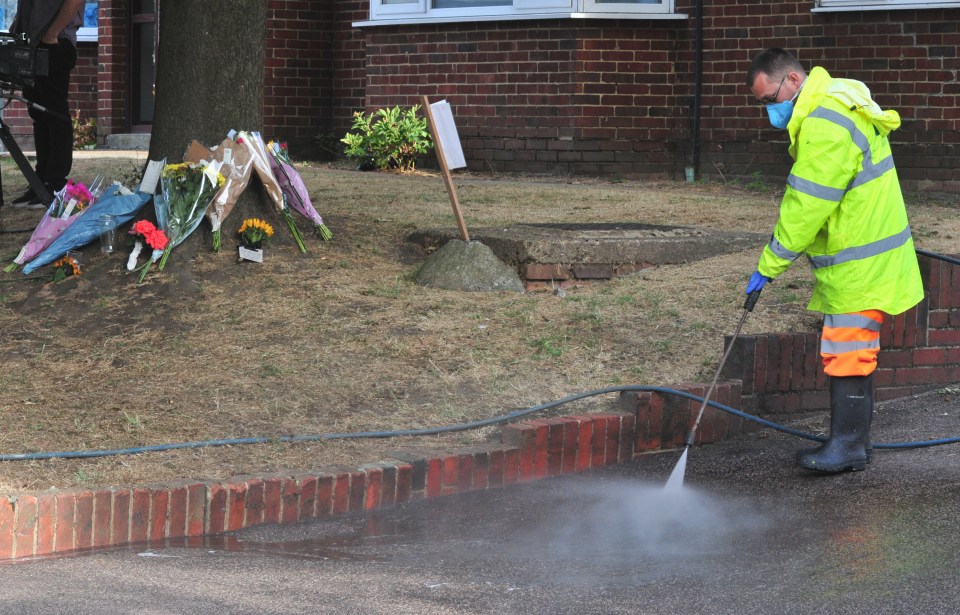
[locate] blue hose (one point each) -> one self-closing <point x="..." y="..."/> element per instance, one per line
<point x="431" y="431"/>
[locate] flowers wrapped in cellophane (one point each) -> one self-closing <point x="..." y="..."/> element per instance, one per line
<point x="68" y="203"/>
<point x="237" y="167"/>
<point x="294" y="189"/>
<point x="261" y="162"/>
<point x="186" y="191"/>
<point x="117" y="201"/>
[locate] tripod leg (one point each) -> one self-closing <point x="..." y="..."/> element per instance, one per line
<point x="31" y="176"/>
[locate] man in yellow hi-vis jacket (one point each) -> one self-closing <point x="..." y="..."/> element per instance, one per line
<point x="844" y="210"/>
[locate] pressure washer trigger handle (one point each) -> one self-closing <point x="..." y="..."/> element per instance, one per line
<point x="751" y="300"/>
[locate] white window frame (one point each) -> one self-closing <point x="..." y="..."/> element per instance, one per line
<point x="833" y="6"/>
<point x="379" y="10"/>
<point x="87" y="35"/>
<point x="592" y="6"/>
<point x="419" y="11"/>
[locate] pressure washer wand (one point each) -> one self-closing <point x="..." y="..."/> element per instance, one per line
<point x="747" y="308"/>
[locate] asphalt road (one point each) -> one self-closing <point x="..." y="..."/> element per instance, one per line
<point x="750" y="533"/>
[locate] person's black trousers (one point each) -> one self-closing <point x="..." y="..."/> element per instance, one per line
<point x="53" y="135"/>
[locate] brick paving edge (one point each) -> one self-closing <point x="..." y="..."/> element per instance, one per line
<point x="66" y="521"/>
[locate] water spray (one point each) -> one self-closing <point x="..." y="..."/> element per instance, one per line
<point x="676" y="477"/>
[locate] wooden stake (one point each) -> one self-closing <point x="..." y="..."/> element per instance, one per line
<point x="447" y="179"/>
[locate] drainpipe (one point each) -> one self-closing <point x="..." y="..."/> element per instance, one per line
<point x="691" y="171"/>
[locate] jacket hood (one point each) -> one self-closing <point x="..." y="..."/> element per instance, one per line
<point x="856" y="97"/>
<point x="853" y="95"/>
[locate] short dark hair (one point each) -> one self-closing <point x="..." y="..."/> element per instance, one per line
<point x="775" y="63"/>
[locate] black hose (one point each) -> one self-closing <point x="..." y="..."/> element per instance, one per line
<point x="939" y="257"/>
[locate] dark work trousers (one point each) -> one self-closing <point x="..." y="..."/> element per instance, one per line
<point x="53" y="135"/>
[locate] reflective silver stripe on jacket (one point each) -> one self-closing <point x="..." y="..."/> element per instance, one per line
<point x="860" y="252"/>
<point x="858" y="321"/>
<point x="828" y="347"/>
<point x="779" y="250"/>
<point x="870" y="170"/>
<point x="805" y="186"/>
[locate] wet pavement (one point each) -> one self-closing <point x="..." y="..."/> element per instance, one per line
<point x="750" y="533"/>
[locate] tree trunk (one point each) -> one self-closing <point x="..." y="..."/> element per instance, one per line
<point x="210" y="69"/>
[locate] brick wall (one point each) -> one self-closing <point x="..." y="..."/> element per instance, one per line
<point x="349" y="65"/>
<point x="297" y="70"/>
<point x="36" y="524"/>
<point x="113" y="60"/>
<point x="608" y="96"/>
<point x="562" y="96"/>
<point x="920" y="351"/>
<point x="314" y="72"/>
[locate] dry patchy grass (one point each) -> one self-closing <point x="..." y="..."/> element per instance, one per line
<point x="341" y="340"/>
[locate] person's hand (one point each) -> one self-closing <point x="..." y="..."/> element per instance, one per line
<point x="46" y="39"/>
<point x="757" y="281"/>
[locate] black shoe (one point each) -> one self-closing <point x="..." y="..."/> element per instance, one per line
<point x="27" y="200"/>
<point x="851" y="408"/>
<point x="27" y="197"/>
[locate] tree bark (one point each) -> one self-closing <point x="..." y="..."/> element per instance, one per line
<point x="210" y="69"/>
<point x="209" y="72"/>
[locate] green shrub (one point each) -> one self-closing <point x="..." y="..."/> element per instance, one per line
<point x="388" y="139"/>
<point x="84" y="132"/>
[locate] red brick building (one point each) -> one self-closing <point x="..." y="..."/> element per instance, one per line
<point x="569" y="86"/>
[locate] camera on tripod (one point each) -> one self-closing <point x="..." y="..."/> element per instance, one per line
<point x="21" y="63"/>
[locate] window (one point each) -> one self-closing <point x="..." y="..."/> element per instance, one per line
<point x="87" y="32"/>
<point x="826" y="6"/>
<point x="435" y="11"/>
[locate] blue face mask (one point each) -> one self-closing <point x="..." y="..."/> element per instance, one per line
<point x="780" y="113"/>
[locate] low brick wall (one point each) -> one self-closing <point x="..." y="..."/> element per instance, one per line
<point x="774" y="373"/>
<point x="54" y="522"/>
<point x="782" y="373"/>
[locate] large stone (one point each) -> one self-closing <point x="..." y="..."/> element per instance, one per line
<point x="467" y="265"/>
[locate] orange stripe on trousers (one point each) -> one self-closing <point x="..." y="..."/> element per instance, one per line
<point x="860" y="362"/>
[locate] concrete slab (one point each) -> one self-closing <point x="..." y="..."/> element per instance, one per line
<point x="617" y="247"/>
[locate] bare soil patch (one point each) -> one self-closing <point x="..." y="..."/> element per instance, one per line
<point x="340" y="340"/>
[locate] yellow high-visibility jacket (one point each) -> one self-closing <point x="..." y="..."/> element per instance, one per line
<point x="842" y="206"/>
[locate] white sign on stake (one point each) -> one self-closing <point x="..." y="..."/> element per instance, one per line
<point x="447" y="132"/>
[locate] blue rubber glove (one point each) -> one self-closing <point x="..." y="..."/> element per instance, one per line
<point x="757" y="281"/>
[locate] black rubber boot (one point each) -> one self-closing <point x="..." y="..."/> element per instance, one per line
<point x="851" y="409"/>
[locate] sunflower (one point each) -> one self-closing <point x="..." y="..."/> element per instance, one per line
<point x="254" y="232"/>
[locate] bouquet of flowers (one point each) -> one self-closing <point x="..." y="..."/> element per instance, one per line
<point x="261" y="162"/>
<point x="65" y="267"/>
<point x="68" y="203"/>
<point x="254" y="232"/>
<point x="237" y="167"/>
<point x="187" y="190"/>
<point x="294" y="189"/>
<point x="145" y="232"/>
<point x="73" y="198"/>
<point x="117" y="201"/>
